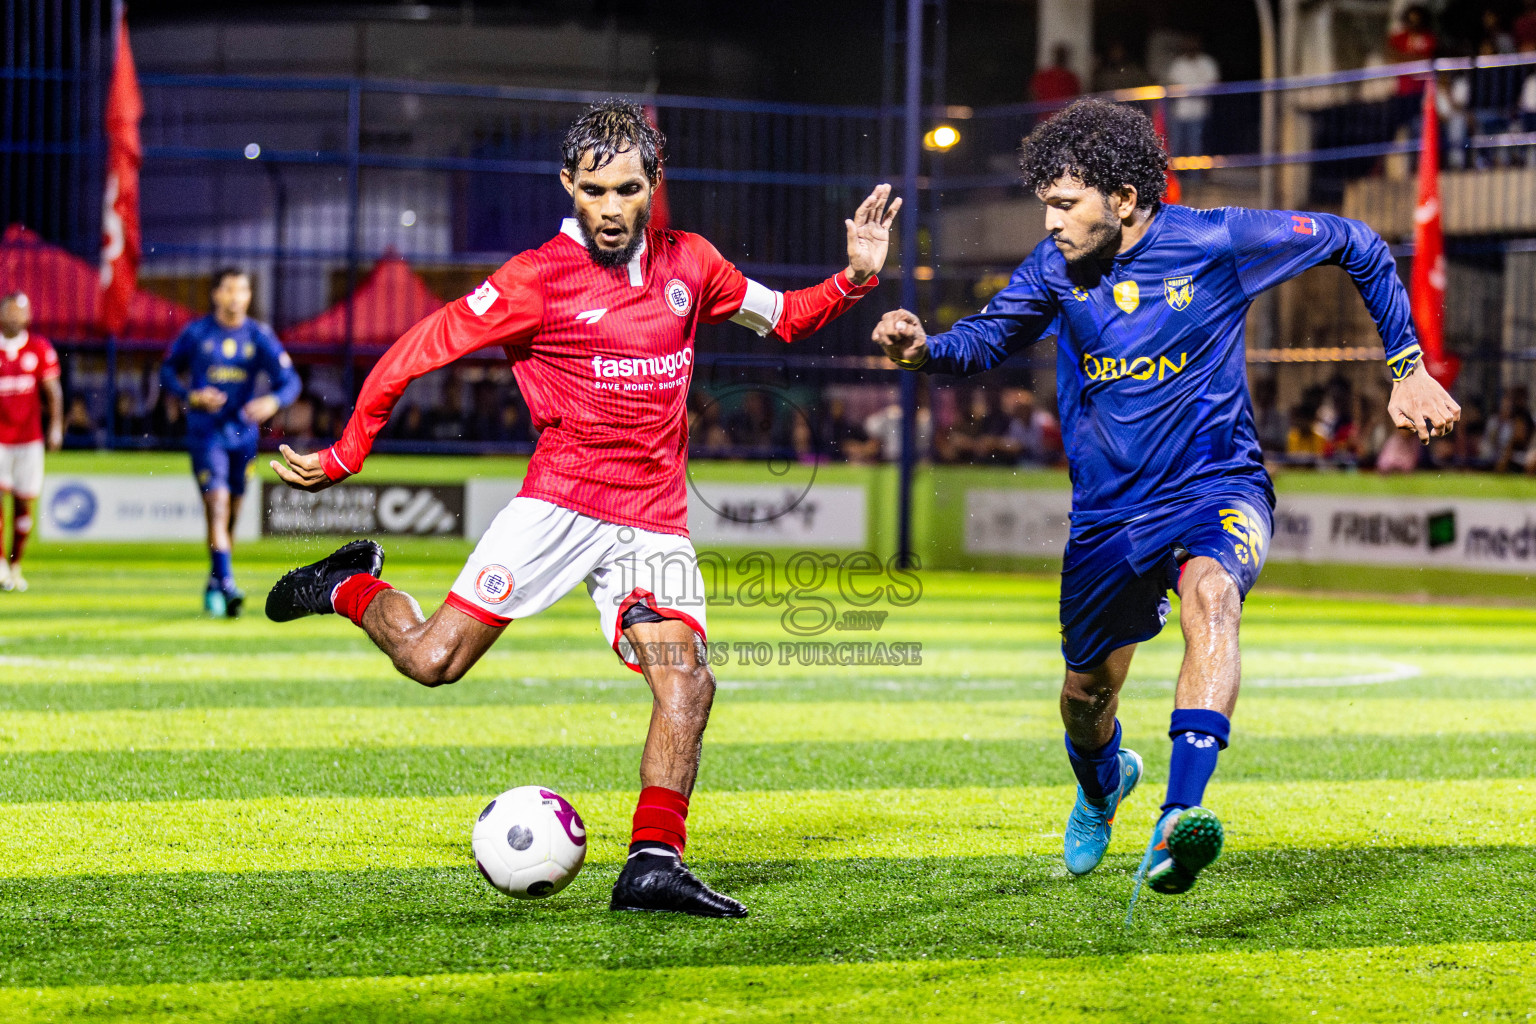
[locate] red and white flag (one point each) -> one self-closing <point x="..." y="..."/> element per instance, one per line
<point x="1426" y="285"/>
<point x="120" y="199"/>
<point x="661" y="210"/>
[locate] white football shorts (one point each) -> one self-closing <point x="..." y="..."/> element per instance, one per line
<point x="535" y="552"/>
<point x="21" y="469"/>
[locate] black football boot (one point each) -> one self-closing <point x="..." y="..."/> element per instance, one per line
<point x="307" y="589"/>
<point x="655" y="878"/>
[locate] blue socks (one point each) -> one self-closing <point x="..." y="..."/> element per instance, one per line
<point x="223" y="570"/>
<point x="1198" y="737"/>
<point x="1097" y="772"/>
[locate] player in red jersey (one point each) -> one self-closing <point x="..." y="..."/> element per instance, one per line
<point x="598" y="324"/>
<point x="29" y="380"/>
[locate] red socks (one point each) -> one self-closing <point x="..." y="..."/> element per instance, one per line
<point x="661" y="817"/>
<point x="354" y="594"/>
<point x="23" y="527"/>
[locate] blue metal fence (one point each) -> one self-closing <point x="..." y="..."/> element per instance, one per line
<point x="310" y="182"/>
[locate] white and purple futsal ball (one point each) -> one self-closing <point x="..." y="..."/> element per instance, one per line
<point x="529" y="842"/>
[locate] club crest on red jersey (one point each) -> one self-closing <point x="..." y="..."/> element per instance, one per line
<point x="678" y="298"/>
<point x="494" y="584"/>
<point x="28" y="362"/>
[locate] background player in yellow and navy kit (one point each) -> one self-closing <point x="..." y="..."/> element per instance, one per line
<point x="1169" y="489"/>
<point x="221" y="355"/>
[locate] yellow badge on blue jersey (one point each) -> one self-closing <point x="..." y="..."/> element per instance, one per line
<point x="231" y="346"/>
<point x="1127" y="296"/>
<point x="1079" y="295"/>
<point x="1178" y="291"/>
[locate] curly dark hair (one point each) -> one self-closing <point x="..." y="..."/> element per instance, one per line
<point x="1106" y="146"/>
<point x="608" y="128"/>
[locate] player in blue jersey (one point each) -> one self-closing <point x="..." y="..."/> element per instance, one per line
<point x="221" y="355"/>
<point x="1169" y="491"/>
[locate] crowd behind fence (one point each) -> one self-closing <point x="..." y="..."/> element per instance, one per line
<point x="357" y="205"/>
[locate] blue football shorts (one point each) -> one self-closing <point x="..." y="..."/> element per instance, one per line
<point x="1115" y="577"/>
<point x="217" y="465"/>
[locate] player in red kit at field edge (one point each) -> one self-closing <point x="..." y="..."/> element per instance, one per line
<point x="598" y="324"/>
<point x="29" y="383"/>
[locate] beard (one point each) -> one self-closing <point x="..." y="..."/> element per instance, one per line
<point x="1102" y="241"/>
<point x="613" y="258"/>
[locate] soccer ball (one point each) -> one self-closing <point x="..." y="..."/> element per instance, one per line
<point x="529" y="842"/>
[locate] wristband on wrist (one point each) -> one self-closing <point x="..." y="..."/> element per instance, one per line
<point x="912" y="364"/>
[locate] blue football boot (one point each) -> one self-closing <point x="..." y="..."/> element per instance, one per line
<point x="1184" y="842"/>
<point x="213" y="600"/>
<point x="1088" y="827"/>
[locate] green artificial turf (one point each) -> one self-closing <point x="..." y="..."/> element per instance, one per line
<point x="240" y="821"/>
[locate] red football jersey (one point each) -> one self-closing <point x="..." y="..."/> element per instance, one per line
<point x="604" y="358"/>
<point x="26" y="361"/>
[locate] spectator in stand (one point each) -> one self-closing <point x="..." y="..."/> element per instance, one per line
<point x="884" y="427"/>
<point x="296" y="424"/>
<point x="973" y="436"/>
<point x="1469" y="434"/>
<point x="1525" y="28"/>
<point x="1400" y="453"/>
<point x="842" y="438"/>
<point x="1495" y="105"/>
<point x="1032" y="434"/>
<point x="1512" y="432"/>
<point x="1372" y="428"/>
<point x="167" y="421"/>
<point x="1187" y="116"/>
<point x="409" y="425"/>
<point x="756" y="425"/>
<point x="1413" y="39"/>
<point x="127" y="422"/>
<point x="1118" y="71"/>
<point x="1056" y="82"/>
<point x="78" y="424"/>
<point x="511" y="425"/>
<point x="448" y="421"/>
<point x="1496" y="38"/>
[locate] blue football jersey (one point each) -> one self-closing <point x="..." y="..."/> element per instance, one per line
<point x="228" y="358"/>
<point x="1151" y="376"/>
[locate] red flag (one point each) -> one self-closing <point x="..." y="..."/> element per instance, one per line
<point x="1173" y="191"/>
<point x="661" y="213"/>
<point x="120" y="199"/>
<point x="1426" y="286"/>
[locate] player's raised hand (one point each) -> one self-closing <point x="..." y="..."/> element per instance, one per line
<point x="869" y="234"/>
<point x="900" y="334"/>
<point x="302" y="472"/>
<point x="1421" y="405"/>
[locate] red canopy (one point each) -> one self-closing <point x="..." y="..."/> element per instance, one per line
<point x="387" y="303"/>
<point x="66" y="293"/>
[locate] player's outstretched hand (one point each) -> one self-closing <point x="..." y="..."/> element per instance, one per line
<point x="1419" y="404"/>
<point x="869" y="234"/>
<point x="900" y="334"/>
<point x="302" y="472"/>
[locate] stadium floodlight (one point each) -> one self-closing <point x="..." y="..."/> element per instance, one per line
<point x="252" y="151"/>
<point x="941" y="139"/>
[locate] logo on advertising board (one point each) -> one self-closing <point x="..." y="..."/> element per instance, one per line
<point x="73" y="507"/>
<point x="417" y="509"/>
